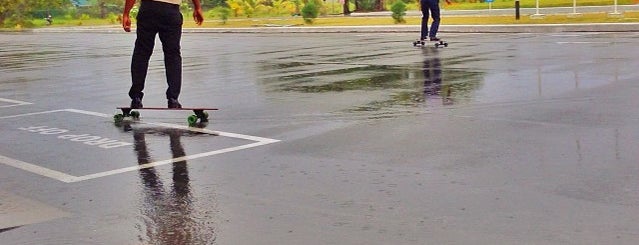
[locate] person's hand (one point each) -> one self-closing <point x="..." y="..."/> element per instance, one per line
<point x="126" y="23"/>
<point x="198" y="16"/>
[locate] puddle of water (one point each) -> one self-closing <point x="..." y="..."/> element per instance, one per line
<point x="169" y="214"/>
<point x="383" y="87"/>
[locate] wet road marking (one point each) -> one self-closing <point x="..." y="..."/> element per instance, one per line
<point x="13" y="103"/>
<point x="31" y="114"/>
<point x="102" y="142"/>
<point x="64" y="177"/>
<point x="168" y="161"/>
<point x="583" y="42"/>
<point x="29" y="167"/>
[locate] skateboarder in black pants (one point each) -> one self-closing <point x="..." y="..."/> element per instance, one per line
<point x="161" y="17"/>
<point x="431" y="6"/>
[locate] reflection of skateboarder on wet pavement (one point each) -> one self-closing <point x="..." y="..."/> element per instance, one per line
<point x="169" y="218"/>
<point x="433" y="79"/>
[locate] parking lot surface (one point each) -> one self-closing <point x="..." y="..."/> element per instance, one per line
<point x="340" y="138"/>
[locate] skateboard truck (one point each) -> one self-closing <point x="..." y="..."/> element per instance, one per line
<point x="202" y="115"/>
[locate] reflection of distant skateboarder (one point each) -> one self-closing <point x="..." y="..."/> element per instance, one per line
<point x="433" y="79"/>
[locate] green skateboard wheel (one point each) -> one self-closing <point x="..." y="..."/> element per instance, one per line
<point x="192" y="119"/>
<point x="135" y="114"/>
<point x="118" y="118"/>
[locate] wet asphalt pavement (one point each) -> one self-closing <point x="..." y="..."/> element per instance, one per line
<point x="323" y="139"/>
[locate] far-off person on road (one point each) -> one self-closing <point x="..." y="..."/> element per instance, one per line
<point x="431" y="6"/>
<point x="161" y="17"/>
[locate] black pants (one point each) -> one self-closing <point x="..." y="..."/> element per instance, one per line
<point x="166" y="20"/>
<point x="431" y="6"/>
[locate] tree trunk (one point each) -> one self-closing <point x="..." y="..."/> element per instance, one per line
<point x="346" y="10"/>
<point x="379" y="5"/>
<point x="102" y="10"/>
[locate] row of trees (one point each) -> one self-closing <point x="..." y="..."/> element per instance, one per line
<point x="21" y="11"/>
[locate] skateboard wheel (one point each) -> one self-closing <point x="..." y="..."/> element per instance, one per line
<point x="118" y="118"/>
<point x="135" y="114"/>
<point x="206" y="115"/>
<point x="445" y="44"/>
<point x="192" y="119"/>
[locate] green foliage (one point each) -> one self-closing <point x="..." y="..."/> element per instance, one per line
<point x="134" y="12"/>
<point x="185" y="7"/>
<point x="114" y="19"/>
<point x="310" y="11"/>
<point x="481" y="4"/>
<point x="366" y="5"/>
<point x="18" y="24"/>
<point x="26" y="13"/>
<point x="212" y="4"/>
<point x="399" y="11"/>
<point x="102" y="8"/>
<point x="20" y="12"/>
<point x="297" y="4"/>
<point x="219" y="12"/>
<point x="224" y="13"/>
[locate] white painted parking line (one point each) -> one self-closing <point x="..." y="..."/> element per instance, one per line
<point x="90" y="113"/>
<point x="219" y="133"/>
<point x="583" y="42"/>
<point x="37" y="169"/>
<point x="31" y="114"/>
<point x="169" y="161"/>
<point x="14" y="103"/>
<point x="64" y="177"/>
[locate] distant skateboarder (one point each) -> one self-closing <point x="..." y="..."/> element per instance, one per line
<point x="49" y="19"/>
<point x="161" y="17"/>
<point x="431" y="6"/>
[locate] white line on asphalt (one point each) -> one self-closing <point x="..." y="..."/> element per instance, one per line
<point x="31" y="114"/>
<point x="583" y="42"/>
<point x="220" y="133"/>
<point x="164" y="162"/>
<point x="90" y="113"/>
<point x="259" y="141"/>
<point x="15" y="102"/>
<point x="37" y="169"/>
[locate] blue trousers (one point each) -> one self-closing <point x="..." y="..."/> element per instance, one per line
<point x="164" y="19"/>
<point x="429" y="7"/>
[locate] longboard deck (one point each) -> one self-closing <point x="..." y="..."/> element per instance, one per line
<point x="423" y="43"/>
<point x="199" y="113"/>
<point x="169" y="109"/>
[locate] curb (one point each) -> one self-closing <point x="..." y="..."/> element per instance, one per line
<point x="514" y="28"/>
<point x="545" y="28"/>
